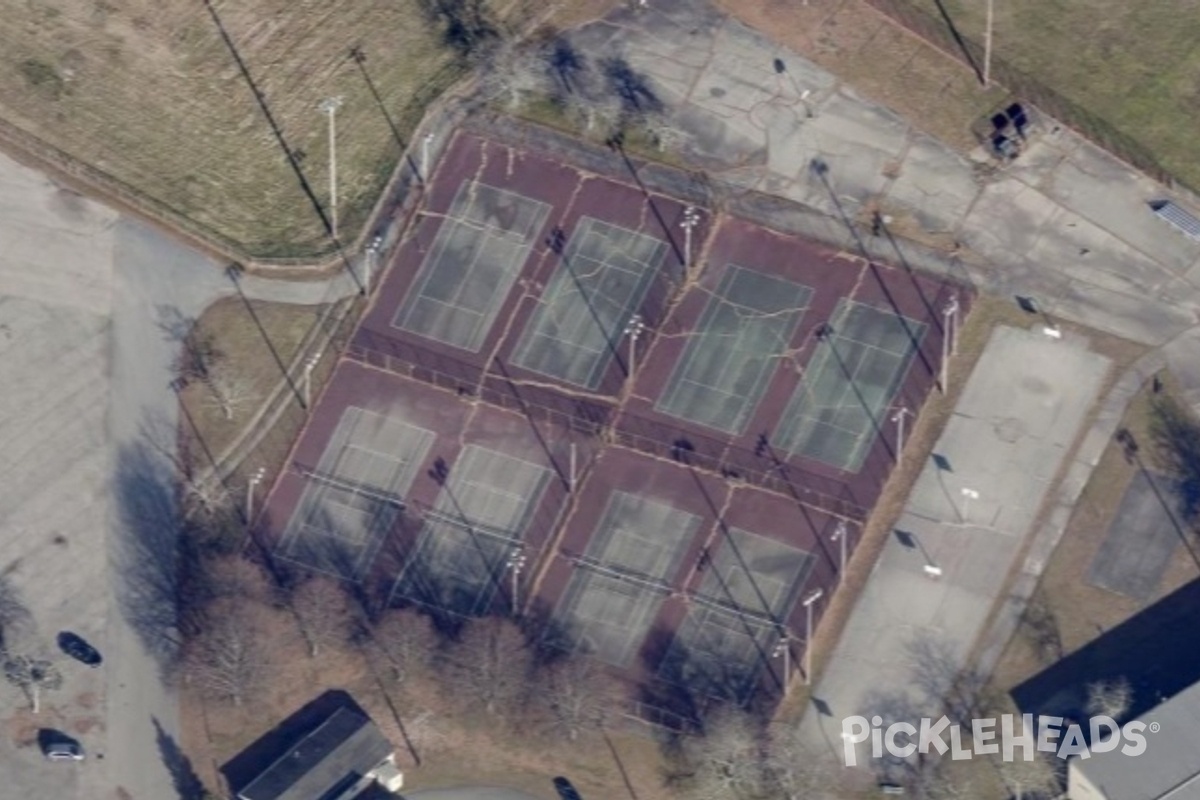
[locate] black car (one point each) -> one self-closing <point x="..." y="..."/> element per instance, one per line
<point x="74" y="646"/>
<point x="566" y="791"/>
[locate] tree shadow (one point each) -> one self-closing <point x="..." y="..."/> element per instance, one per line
<point x="157" y="589"/>
<point x="467" y="27"/>
<point x="187" y="783"/>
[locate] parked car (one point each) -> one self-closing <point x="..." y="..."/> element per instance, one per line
<point x="64" y="750"/>
<point x="565" y="789"/>
<point x="74" y="646"/>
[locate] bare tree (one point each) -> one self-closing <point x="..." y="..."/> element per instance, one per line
<point x="230" y="391"/>
<point x="793" y="770"/>
<point x="578" y="695"/>
<point x="229" y="659"/>
<point x="1041" y="628"/>
<point x="491" y="664"/>
<point x="33" y="676"/>
<point x="324" y="613"/>
<point x="727" y="759"/>
<point x="1109" y="698"/>
<point x="15" y="619"/>
<point x="406" y="640"/>
<point x="1033" y="779"/>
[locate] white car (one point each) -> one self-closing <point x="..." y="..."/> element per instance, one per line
<point x="64" y="751"/>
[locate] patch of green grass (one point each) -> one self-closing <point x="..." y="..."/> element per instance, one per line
<point x="1134" y="66"/>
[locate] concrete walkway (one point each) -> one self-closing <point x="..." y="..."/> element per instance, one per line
<point x="86" y="368"/>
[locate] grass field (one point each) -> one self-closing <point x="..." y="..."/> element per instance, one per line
<point x="1134" y="65"/>
<point x="1131" y="67"/>
<point x="149" y="93"/>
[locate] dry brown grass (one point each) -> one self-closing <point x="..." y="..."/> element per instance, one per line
<point x="148" y="93"/>
<point x="246" y="354"/>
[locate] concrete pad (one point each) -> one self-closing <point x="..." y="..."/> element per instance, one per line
<point x="935" y="184"/>
<point x="1121" y="314"/>
<point x="1094" y="185"/>
<point x="1018" y="417"/>
<point x="1140" y="542"/>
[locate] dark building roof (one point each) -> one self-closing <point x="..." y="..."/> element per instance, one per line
<point x="324" y="763"/>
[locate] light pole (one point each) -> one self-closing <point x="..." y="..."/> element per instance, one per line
<point x="309" y="365"/>
<point x="783" y="648"/>
<point x="255" y="479"/>
<point x="840" y="534"/>
<point x="516" y="562"/>
<point x="808" y="608"/>
<point x="987" y="48"/>
<point x="330" y="106"/>
<point x="633" y="330"/>
<point x="426" y="140"/>
<point x="372" y="254"/>
<point x="691" y="217"/>
<point x="968" y="496"/>
<point x="949" y="317"/>
<point x="808" y="112"/>
<point x="951" y="313"/>
<point x="901" y="413"/>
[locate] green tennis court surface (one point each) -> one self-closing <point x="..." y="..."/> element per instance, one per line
<point x="353" y="496"/>
<point x="477" y="255"/>
<point x="477" y="522"/>
<point x="840" y="405"/>
<point x="619" y="585"/>
<point x="746" y="327"/>
<point x="604" y="273"/>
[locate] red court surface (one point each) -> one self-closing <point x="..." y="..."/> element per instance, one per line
<point x="729" y="484"/>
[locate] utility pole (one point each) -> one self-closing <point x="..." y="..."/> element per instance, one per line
<point x="783" y="648"/>
<point x="372" y="256"/>
<point x="808" y="608"/>
<point x="330" y="106"/>
<point x="987" y="47"/>
<point x="633" y="330"/>
<point x="898" y="418"/>
<point x="691" y="217"/>
<point x="309" y="365"/>
<point x="516" y="562"/>
<point x="426" y="140"/>
<point x="255" y="479"/>
<point x="840" y="534"/>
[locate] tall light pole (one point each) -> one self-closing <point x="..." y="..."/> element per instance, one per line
<point x="840" y="534"/>
<point x="309" y="365"/>
<point x="968" y="496"/>
<point x="949" y="317"/>
<point x="987" y="47"/>
<point x="255" y="479"/>
<point x="516" y="562"/>
<point x="372" y="255"/>
<point x="426" y="140"/>
<point x="808" y="608"/>
<point x="901" y="413"/>
<point x="633" y="330"/>
<point x="330" y="106"/>
<point x="691" y="217"/>
<point x="783" y="648"/>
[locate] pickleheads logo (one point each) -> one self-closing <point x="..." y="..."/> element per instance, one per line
<point x="995" y="736"/>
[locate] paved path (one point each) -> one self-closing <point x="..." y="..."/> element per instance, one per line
<point x="85" y="367"/>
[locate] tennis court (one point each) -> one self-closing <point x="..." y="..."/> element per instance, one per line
<point x="840" y="405"/>
<point x="746" y="326"/>
<point x="476" y="524"/>
<point x="479" y="251"/>
<point x="354" y="494"/>
<point x="601" y="280"/>
<point x="738" y="615"/>
<point x="618" y="586"/>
